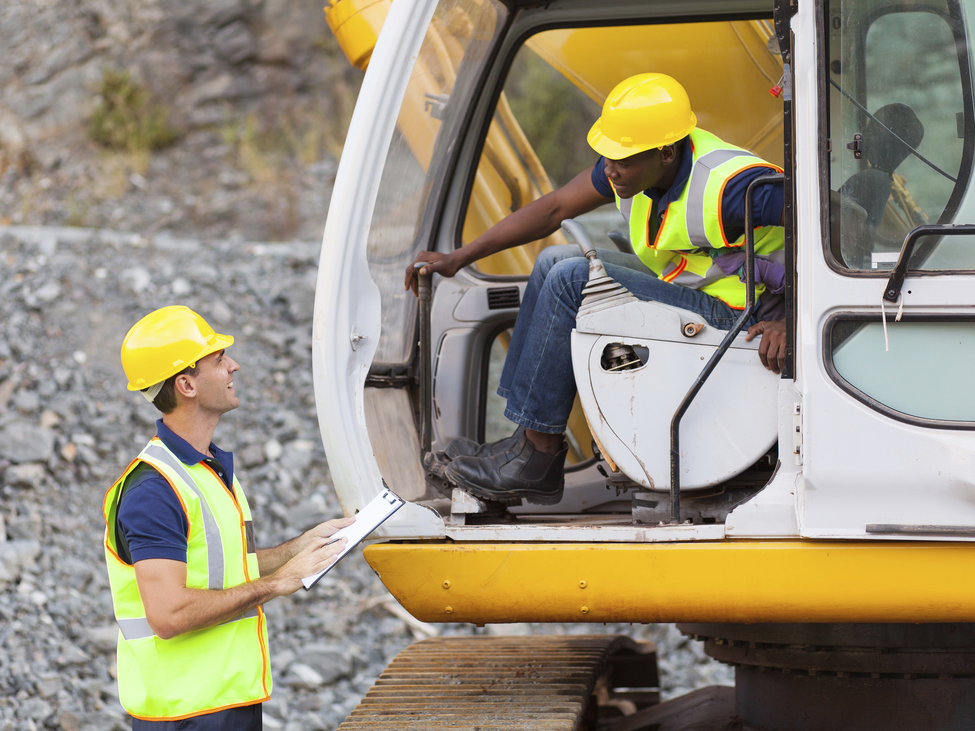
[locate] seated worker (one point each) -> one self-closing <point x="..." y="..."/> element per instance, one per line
<point x="187" y="579"/>
<point x="682" y="191"/>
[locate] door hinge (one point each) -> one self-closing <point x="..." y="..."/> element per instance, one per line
<point x="797" y="432"/>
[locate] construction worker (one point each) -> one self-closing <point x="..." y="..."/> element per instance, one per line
<point x="682" y="192"/>
<point x="187" y="580"/>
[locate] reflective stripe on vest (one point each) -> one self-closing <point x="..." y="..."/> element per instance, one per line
<point x="206" y="670"/>
<point x="215" y="563"/>
<point x="139" y="629"/>
<point x="681" y="252"/>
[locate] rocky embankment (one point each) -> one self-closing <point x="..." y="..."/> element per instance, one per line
<point x="68" y="428"/>
<point x="208" y="118"/>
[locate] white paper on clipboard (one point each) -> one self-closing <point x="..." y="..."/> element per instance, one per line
<point x="366" y="521"/>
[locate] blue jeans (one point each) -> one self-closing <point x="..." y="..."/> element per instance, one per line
<point x="537" y="377"/>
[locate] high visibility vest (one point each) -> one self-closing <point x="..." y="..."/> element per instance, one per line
<point x="691" y="235"/>
<point x="205" y="670"/>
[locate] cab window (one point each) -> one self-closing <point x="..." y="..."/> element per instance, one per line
<point x="537" y="138"/>
<point x="900" y="132"/>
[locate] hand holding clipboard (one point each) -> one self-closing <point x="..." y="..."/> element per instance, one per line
<point x="366" y="521"/>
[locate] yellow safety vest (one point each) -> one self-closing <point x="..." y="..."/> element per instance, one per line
<point x="207" y="670"/>
<point x="682" y="250"/>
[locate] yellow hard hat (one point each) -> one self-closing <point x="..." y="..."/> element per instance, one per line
<point x="642" y="112"/>
<point x="165" y="342"/>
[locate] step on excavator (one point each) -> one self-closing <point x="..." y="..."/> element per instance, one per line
<point x="815" y="528"/>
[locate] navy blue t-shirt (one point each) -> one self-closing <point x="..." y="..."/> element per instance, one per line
<point x="767" y="198"/>
<point x="151" y="516"/>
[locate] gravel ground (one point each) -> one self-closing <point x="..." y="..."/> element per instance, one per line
<point x="68" y="428"/>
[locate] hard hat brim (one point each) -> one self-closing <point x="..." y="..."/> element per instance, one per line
<point x="612" y="150"/>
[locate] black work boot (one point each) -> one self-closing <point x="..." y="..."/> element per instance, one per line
<point x="464" y="447"/>
<point x="520" y="471"/>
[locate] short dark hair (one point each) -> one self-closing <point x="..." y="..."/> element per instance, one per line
<point x="165" y="400"/>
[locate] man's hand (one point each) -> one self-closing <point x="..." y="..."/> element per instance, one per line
<point x="446" y="265"/>
<point x="323" y="530"/>
<point x="317" y="555"/>
<point x="772" y="348"/>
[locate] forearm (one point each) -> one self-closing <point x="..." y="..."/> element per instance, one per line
<point x="534" y="222"/>
<point x="270" y="560"/>
<point x="540" y="218"/>
<point x="194" y="609"/>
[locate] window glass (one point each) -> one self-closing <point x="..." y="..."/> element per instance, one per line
<point x="554" y="92"/>
<point x="455" y="47"/>
<point x="899" y="108"/>
<point x="909" y="372"/>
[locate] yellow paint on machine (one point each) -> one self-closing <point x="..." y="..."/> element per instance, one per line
<point x="754" y="581"/>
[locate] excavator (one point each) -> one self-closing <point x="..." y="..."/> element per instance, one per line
<point x="815" y="528"/>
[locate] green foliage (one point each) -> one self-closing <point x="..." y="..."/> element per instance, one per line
<point x="554" y="115"/>
<point x="127" y="119"/>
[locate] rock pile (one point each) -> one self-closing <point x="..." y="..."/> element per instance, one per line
<point x="68" y="428"/>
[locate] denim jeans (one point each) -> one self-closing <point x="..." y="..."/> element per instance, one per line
<point x="537" y="377"/>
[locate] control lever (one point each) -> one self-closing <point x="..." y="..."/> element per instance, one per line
<point x="601" y="291"/>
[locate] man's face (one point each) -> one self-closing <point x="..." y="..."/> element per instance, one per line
<point x="214" y="383"/>
<point x="636" y="173"/>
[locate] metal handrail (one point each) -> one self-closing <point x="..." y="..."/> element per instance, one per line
<point x="722" y="349"/>
<point x="896" y="280"/>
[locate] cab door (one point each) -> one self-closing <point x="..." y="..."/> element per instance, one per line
<point x="886" y="411"/>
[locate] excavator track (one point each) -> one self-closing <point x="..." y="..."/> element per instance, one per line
<point x="542" y="683"/>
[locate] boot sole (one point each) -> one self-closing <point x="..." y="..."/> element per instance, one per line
<point x="509" y="497"/>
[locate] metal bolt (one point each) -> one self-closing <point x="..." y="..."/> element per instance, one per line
<point x="583" y="584"/>
<point x="584" y="610"/>
<point x="449" y="610"/>
<point x="446" y="584"/>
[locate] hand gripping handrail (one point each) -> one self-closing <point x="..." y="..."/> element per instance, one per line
<point x="722" y="349"/>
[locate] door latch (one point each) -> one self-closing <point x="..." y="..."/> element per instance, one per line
<point x="856" y="146"/>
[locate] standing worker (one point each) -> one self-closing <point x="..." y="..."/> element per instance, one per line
<point x="187" y="580"/>
<point x="682" y="192"/>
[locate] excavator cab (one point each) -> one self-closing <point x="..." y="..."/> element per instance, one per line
<point x="812" y="524"/>
<point x="493" y="114"/>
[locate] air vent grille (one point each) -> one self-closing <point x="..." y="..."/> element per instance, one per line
<point x="503" y="298"/>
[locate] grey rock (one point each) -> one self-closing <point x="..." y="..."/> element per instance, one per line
<point x="236" y="42"/>
<point x="103" y="639"/>
<point x="251" y="456"/>
<point x="30" y="475"/>
<point x="331" y="662"/>
<point x="220" y="88"/>
<point x="48" y="687"/>
<point x="222" y="12"/>
<point x="47" y="292"/>
<point x="36" y="709"/>
<point x="302" y="676"/>
<point x="273" y="450"/>
<point x="102" y="722"/>
<point x="17" y="555"/>
<point x="26" y="401"/>
<point x="71" y="655"/>
<point x="300" y="299"/>
<point x="297" y="455"/>
<point x="135" y="279"/>
<point x="25" y="528"/>
<point x="220" y="312"/>
<point x="23" y="442"/>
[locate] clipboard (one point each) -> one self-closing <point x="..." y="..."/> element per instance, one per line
<point x="367" y="520"/>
